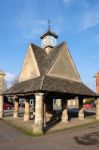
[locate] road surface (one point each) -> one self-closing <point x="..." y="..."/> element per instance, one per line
<point x="83" y="138"/>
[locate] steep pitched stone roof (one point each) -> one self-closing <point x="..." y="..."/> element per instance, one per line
<point x="50" y="82"/>
<point x="25" y="86"/>
<point x="43" y="59"/>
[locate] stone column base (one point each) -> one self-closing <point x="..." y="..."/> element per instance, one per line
<point x="15" y="115"/>
<point x="16" y="107"/>
<point x="32" y="116"/>
<point x="1" y="107"/>
<point x="65" y="119"/>
<point x="48" y="116"/>
<point x="97" y="109"/>
<point x="26" y="117"/>
<point x="65" y="116"/>
<point x="97" y="114"/>
<point x="81" y="115"/>
<point x="37" y="129"/>
<point x="97" y="118"/>
<point x="1" y="115"/>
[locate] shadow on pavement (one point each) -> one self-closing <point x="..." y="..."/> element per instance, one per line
<point x="88" y="139"/>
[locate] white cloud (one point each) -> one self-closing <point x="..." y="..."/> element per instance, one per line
<point x="10" y="78"/>
<point x="31" y="28"/>
<point x="84" y="3"/>
<point x="68" y="2"/>
<point x="41" y="22"/>
<point x="90" y="18"/>
<point x="95" y="56"/>
<point x="96" y="39"/>
<point x="30" y="22"/>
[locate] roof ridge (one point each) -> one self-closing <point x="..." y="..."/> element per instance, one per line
<point x="42" y="81"/>
<point x="55" y="57"/>
<point x="73" y="62"/>
<point x="42" y="57"/>
<point x="32" y="44"/>
<point x="56" y="47"/>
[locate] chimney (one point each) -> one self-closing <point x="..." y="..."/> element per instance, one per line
<point x="97" y="82"/>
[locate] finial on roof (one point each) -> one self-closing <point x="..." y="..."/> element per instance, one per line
<point x="49" y="25"/>
<point x="49" y="32"/>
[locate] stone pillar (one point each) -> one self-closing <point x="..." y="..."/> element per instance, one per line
<point x="38" y="123"/>
<point x="49" y="108"/>
<point x="64" y="111"/>
<point x="16" y="107"/>
<point x="81" y="110"/>
<point x="69" y="103"/>
<point x="45" y="118"/>
<point x="32" y="114"/>
<point x="77" y="103"/>
<point x="97" y="109"/>
<point x="1" y="107"/>
<point x="59" y="102"/>
<point x="27" y="110"/>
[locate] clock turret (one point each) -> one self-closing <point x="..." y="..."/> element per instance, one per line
<point x="49" y="40"/>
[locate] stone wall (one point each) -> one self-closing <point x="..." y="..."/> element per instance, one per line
<point x="2" y="84"/>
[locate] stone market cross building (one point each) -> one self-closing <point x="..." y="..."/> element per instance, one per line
<point x="48" y="73"/>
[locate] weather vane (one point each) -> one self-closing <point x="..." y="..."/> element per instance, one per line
<point x="48" y="24"/>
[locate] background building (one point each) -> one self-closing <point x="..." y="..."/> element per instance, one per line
<point x="2" y="82"/>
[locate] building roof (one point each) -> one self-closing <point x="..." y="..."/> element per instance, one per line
<point x="50" y="84"/>
<point x="44" y="60"/>
<point x="60" y="81"/>
<point x="49" y="33"/>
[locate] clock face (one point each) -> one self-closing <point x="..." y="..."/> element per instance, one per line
<point x="48" y="41"/>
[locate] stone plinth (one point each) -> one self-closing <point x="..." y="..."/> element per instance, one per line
<point x="48" y="116"/>
<point x="1" y="107"/>
<point x="81" y="110"/>
<point x="64" y="111"/>
<point x="81" y="114"/>
<point x="97" y="108"/>
<point x="65" y="115"/>
<point x="27" y="110"/>
<point x="16" y="107"/>
<point x="45" y="118"/>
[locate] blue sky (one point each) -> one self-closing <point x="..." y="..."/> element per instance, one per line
<point x="75" y="21"/>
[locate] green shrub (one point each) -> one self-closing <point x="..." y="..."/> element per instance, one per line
<point x="89" y="101"/>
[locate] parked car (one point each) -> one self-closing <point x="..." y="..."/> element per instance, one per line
<point x="94" y="105"/>
<point x="88" y="106"/>
<point x="7" y="106"/>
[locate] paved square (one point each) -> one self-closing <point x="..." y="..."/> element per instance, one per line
<point x="86" y="138"/>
